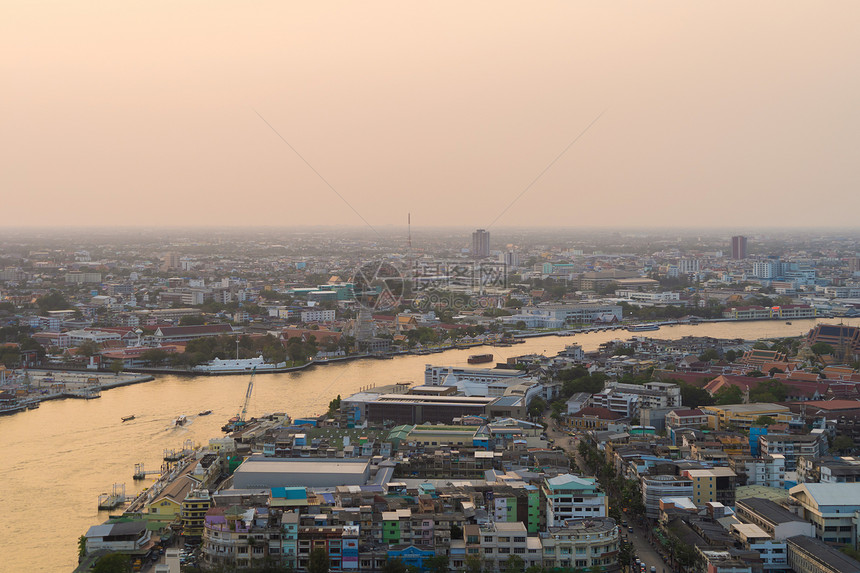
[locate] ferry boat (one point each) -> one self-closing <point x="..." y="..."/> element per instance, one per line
<point x="180" y="421"/>
<point x="204" y="413"/>
<point x="480" y="358"/>
<point x="643" y="327"/>
<point x="237" y="366"/>
<point x="128" y="418"/>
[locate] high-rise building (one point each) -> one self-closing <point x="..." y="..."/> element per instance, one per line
<point x="170" y="261"/>
<point x="510" y="259"/>
<point x="481" y="243"/>
<point x="854" y="264"/>
<point x="739" y="247"/>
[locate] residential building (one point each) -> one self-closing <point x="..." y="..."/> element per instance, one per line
<point x="767" y="470"/>
<point x="772" y="552"/>
<point x="573" y="497"/>
<point x="656" y="487"/>
<point x="793" y="445"/>
<point x="712" y="484"/>
<point x="498" y="541"/>
<point x="581" y="544"/>
<point x="193" y="512"/>
<point x="318" y="315"/>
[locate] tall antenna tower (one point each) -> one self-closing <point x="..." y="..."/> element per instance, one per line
<point x="409" y="232"/>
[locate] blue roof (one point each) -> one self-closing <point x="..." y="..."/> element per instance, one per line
<point x="290" y="492"/>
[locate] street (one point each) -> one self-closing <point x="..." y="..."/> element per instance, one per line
<point x="640" y="537"/>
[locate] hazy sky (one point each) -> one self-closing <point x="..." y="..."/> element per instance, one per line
<point x="143" y="113"/>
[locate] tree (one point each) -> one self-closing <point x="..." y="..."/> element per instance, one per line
<point x="843" y="443"/>
<point x="513" y="564"/>
<point x="318" y="562"/>
<point x="394" y="566"/>
<point x="334" y="405"/>
<point x="822" y="348"/>
<point x="474" y="564"/>
<point x="764" y="421"/>
<point x="693" y="397"/>
<point x="82" y="547"/>
<point x="437" y="564"/>
<point x="116" y="366"/>
<point x="154" y="356"/>
<point x="536" y="407"/>
<point x="729" y="395"/>
<point x="708" y="355"/>
<point x="52" y="301"/>
<point x="88" y="348"/>
<point x="731" y="355"/>
<point x="761" y="346"/>
<point x="191" y="320"/>
<point x="113" y="563"/>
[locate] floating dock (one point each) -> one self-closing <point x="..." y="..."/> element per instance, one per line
<point x="114" y="499"/>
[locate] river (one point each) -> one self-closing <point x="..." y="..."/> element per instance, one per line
<point x="61" y="456"/>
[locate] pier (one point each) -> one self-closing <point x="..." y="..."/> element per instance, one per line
<point x="114" y="499"/>
<point x="141" y="473"/>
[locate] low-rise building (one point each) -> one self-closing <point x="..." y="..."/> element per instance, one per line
<point x="778" y="522"/>
<point x="833" y="509"/>
<point x="809" y="555"/>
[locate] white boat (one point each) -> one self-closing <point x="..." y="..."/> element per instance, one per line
<point x="180" y="421"/>
<point x="237" y="366"/>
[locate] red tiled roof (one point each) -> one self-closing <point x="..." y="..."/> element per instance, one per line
<point x="599" y="413"/>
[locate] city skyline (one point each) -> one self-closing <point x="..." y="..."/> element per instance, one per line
<point x="477" y="115"/>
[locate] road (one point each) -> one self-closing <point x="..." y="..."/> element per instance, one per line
<point x="640" y="537"/>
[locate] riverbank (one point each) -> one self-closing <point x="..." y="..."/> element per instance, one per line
<point x="62" y="455"/>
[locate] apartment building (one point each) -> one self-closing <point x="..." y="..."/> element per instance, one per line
<point x="498" y="541"/>
<point x="713" y="484"/>
<point x="573" y="497"/>
<point x="581" y="544"/>
<point x="767" y="470"/>
<point x="656" y="487"/>
<point x="792" y="446"/>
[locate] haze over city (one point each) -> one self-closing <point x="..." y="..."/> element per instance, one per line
<point x="729" y="114"/>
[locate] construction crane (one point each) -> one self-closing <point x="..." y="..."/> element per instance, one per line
<point x="238" y="420"/>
